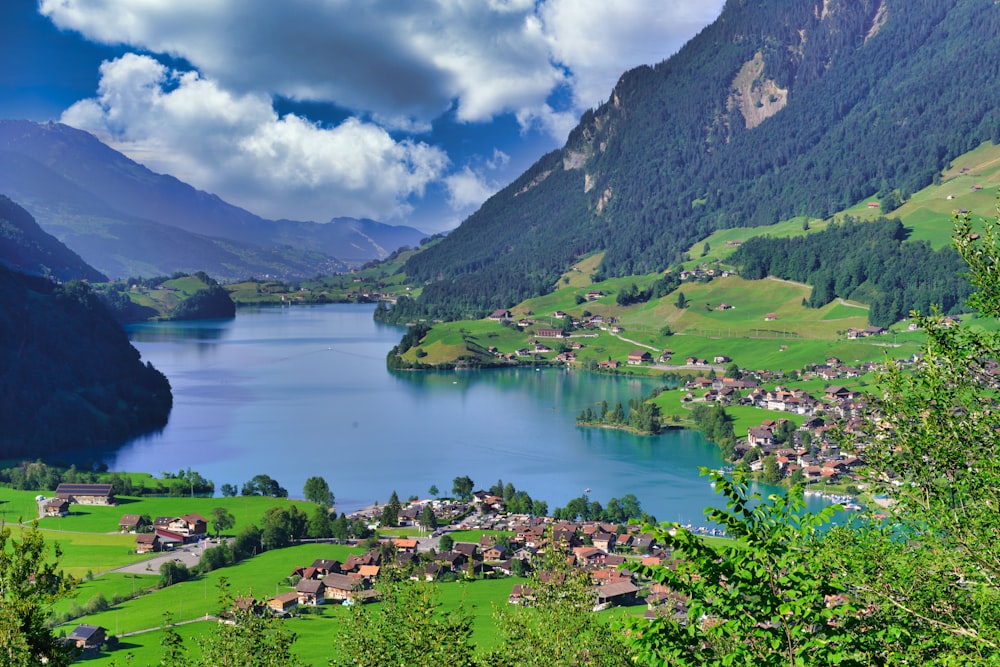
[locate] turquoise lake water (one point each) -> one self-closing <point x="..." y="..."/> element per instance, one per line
<point x="303" y="391"/>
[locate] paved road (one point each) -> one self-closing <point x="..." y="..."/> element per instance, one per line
<point x="189" y="554"/>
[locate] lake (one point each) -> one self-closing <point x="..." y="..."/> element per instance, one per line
<point x="303" y="391"/>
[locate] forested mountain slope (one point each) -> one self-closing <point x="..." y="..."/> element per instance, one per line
<point x="26" y="247"/>
<point x="779" y="108"/>
<point x="69" y="378"/>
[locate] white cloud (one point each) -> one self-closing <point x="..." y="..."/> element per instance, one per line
<point x="404" y="63"/>
<point x="237" y="147"/>
<point x="395" y="66"/>
<point x="599" y="40"/>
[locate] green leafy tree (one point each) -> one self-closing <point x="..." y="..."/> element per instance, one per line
<point x="682" y="301"/>
<point x="410" y="628"/>
<point x="30" y="583"/>
<point x="427" y="517"/>
<point x="391" y="510"/>
<point x="433" y="490"/>
<point x="762" y="601"/>
<point x="172" y="651"/>
<point x="772" y="472"/>
<point x="557" y="625"/>
<point x="222" y="519"/>
<point x="446" y="543"/>
<point x="320" y="524"/>
<point x="462" y="487"/>
<point x="252" y="639"/>
<point x="318" y="491"/>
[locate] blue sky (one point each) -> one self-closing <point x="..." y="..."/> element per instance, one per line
<point x="404" y="112"/>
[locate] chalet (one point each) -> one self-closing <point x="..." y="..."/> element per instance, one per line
<point x="610" y="364"/>
<point x="495" y="553"/>
<point x="313" y="591"/>
<point x="326" y="566"/>
<point x="616" y="329"/>
<point x="665" y="355"/>
<point x="519" y="594"/>
<point x="873" y="204"/>
<point x="724" y="306"/>
<point x="87" y="637"/>
<point x="721" y="359"/>
<point x="770" y="317"/>
<point x="500" y="315"/>
<point x="86" y="494"/>
<point x="131" y="523"/>
<point x="558" y="314"/>
<point x="589" y="556"/>
<point x="56" y="507"/>
<point x="550" y="333"/>
<point x="620" y="592"/>
<point x="837" y="393"/>
<point x="147" y="543"/>
<point x="285" y="603"/>
<point x="525" y="322"/>
<point x="467" y="549"/>
<point x="594" y="294"/>
<point x="541" y="348"/>
<point x="191" y="526"/>
<point x="603" y="541"/>
<point x="759" y="436"/>
<point x="639" y="357"/>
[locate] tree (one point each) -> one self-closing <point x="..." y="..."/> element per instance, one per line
<point x="318" y="491"/>
<point x="433" y="490"/>
<point x="409" y="628"/>
<point x="172" y="651"/>
<point x="427" y="517"/>
<point x="390" y="512"/>
<point x="222" y="519"/>
<point x="30" y="583"/>
<point x="462" y="487"/>
<point x="681" y="301"/>
<point x="229" y="490"/>
<point x="733" y="371"/>
<point x="446" y="543"/>
<point x="764" y="601"/>
<point x="251" y="640"/>
<point x="558" y="625"/>
<point x="772" y="472"/>
<point x="319" y="523"/>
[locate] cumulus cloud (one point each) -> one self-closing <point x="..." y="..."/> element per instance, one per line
<point x="599" y="40"/>
<point x="237" y="147"/>
<point x="403" y="63"/>
<point x="397" y="68"/>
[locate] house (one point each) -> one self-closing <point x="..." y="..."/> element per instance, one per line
<point x="56" y="507"/>
<point x="87" y="637"/>
<point x="519" y="594"/>
<point x="759" y="436"/>
<point x="610" y="364"/>
<point x="603" y="541"/>
<point x="495" y="553"/>
<point x="724" y="306"/>
<point x="770" y="317"/>
<point x="405" y="545"/>
<point x="594" y="294"/>
<point x="86" y="494"/>
<point x="191" y="526"/>
<point x="620" y="592"/>
<point x="312" y="591"/>
<point x="147" y="543"/>
<point x="549" y="333"/>
<point x="639" y="357"/>
<point x="131" y="523"/>
<point x="285" y="603"/>
<point x="500" y="315"/>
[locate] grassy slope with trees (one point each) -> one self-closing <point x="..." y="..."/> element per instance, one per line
<point x="645" y="177"/>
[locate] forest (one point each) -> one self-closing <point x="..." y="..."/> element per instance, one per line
<point x="869" y="262"/>
<point x="70" y="378"/>
<point x="668" y="159"/>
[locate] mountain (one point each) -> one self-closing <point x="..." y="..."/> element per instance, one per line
<point x="69" y="377"/>
<point x="780" y="108"/>
<point x="26" y="248"/>
<point x="127" y="220"/>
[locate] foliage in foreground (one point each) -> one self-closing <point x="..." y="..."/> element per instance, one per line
<point x="29" y="583"/>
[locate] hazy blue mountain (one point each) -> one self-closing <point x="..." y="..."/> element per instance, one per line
<point x="126" y="220"/>
<point x="27" y="248"/>
<point x="779" y="108"/>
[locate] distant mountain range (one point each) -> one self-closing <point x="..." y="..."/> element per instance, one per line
<point x="126" y="220"/>
<point x="779" y="109"/>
